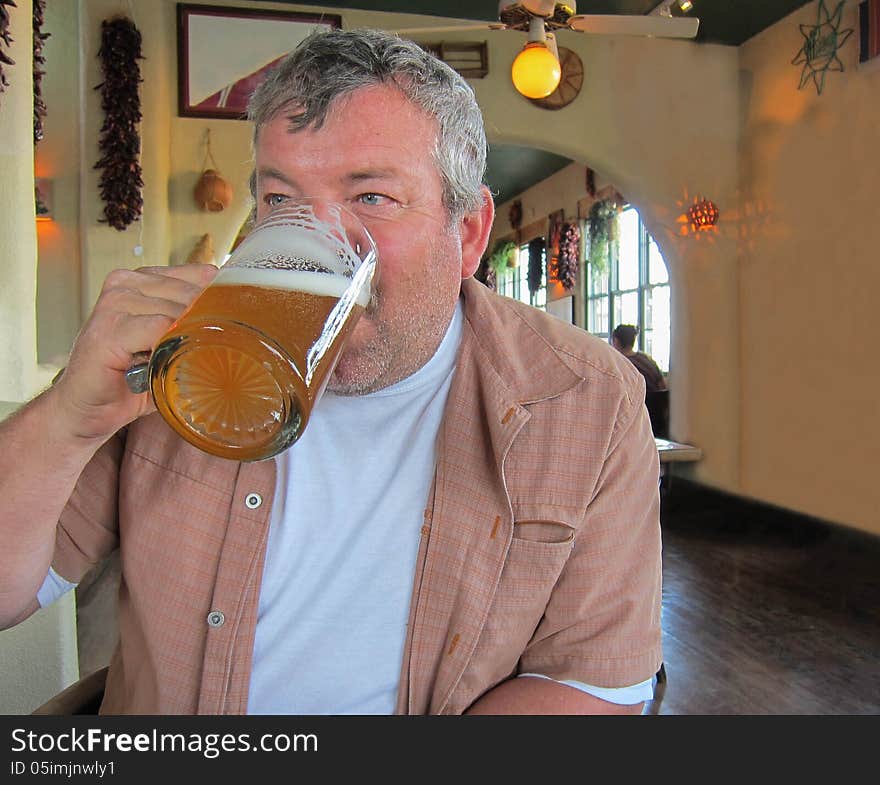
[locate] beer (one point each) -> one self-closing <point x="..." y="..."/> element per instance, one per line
<point x="238" y="373"/>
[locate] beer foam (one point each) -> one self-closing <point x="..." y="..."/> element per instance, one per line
<point x="270" y="241"/>
<point x="320" y="284"/>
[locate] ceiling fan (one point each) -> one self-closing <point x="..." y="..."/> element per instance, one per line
<point x="536" y="72"/>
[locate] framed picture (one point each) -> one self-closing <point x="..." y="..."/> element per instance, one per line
<point x="869" y="32"/>
<point x="224" y="53"/>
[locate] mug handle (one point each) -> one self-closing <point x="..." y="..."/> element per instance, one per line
<point x="137" y="377"/>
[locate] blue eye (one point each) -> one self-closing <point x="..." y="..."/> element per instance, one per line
<point x="372" y="199"/>
<point x="273" y="200"/>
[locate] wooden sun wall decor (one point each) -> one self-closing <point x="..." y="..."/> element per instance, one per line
<point x="822" y="41"/>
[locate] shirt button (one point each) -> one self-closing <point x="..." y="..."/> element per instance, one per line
<point x="252" y="501"/>
<point x="216" y="619"/>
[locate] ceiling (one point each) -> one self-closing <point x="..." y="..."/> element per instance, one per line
<point x="511" y="170"/>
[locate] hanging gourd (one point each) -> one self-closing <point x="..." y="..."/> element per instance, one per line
<point x="212" y="192"/>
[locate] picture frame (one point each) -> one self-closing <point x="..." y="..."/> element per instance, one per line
<point x="869" y="33"/>
<point x="224" y="53"/>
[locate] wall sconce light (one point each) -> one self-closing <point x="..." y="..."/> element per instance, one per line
<point x="43" y="198"/>
<point x="677" y="8"/>
<point x="702" y="215"/>
<point x="536" y="71"/>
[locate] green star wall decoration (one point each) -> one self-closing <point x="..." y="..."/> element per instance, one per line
<point x="821" y="44"/>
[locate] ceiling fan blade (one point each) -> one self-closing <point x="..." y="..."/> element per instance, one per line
<point x="464" y="26"/>
<point x="656" y="26"/>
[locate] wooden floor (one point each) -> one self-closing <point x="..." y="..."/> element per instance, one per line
<point x="766" y="612"/>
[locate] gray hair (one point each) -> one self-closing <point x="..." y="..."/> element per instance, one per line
<point x="329" y="64"/>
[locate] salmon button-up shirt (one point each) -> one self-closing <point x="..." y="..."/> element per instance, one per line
<point x="539" y="551"/>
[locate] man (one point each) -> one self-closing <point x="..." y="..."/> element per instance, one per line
<point x="623" y="338"/>
<point x="468" y="524"/>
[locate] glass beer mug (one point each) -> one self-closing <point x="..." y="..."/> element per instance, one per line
<point x="238" y="373"/>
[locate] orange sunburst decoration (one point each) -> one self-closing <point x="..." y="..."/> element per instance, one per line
<point x="701" y="216"/>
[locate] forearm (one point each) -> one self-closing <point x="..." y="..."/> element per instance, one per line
<point x="40" y="462"/>
<point x="542" y="696"/>
<point x="48" y="444"/>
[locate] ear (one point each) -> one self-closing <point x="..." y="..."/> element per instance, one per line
<point x="474" y="229"/>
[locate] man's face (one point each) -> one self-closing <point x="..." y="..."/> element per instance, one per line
<point x="374" y="154"/>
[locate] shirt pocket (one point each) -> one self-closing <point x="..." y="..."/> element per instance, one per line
<point x="536" y="557"/>
<point x="537" y="554"/>
<point x="550" y="532"/>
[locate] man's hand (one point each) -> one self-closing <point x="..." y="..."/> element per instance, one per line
<point x="133" y="311"/>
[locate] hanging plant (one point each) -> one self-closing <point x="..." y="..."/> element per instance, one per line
<point x="603" y="229"/>
<point x="567" y="268"/>
<point x="39" y="61"/>
<point x="121" y="179"/>
<point x="502" y="255"/>
<point x="490" y="278"/>
<point x="536" y="264"/>
<point x="5" y="40"/>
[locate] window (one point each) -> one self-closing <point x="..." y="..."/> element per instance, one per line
<point x="633" y="290"/>
<point x="515" y="280"/>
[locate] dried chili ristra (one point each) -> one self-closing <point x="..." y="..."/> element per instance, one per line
<point x="121" y="179"/>
<point x="5" y="40"/>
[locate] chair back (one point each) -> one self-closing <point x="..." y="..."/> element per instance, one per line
<point x="81" y="697"/>
<point x="657" y="403"/>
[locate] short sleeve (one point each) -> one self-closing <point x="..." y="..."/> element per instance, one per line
<point x="88" y="527"/>
<point x="601" y="625"/>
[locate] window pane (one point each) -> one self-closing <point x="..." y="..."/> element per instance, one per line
<point x="597" y="283"/>
<point x="628" y="251"/>
<point x="597" y="318"/>
<point x="540" y="297"/>
<point x="505" y="282"/>
<point x="657" y="323"/>
<point x="657" y="272"/>
<point x="626" y="308"/>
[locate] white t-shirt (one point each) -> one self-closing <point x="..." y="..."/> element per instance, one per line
<point x="343" y="542"/>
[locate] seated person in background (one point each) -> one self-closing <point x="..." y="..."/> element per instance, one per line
<point x="623" y="338"/>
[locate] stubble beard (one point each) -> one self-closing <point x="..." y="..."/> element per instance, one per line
<point x="402" y="340"/>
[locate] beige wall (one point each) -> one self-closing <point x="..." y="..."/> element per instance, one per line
<point x="59" y="307"/>
<point x="809" y="280"/>
<point x="17" y="229"/>
<point x="662" y="120"/>
<point x="39" y="657"/>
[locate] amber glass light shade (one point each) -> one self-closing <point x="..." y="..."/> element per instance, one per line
<point x="535" y="71"/>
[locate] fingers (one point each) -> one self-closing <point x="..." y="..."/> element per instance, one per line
<point x="132" y="302"/>
<point x="135" y="308"/>
<point x="137" y="333"/>
<point x="195" y="273"/>
<point x="182" y="285"/>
